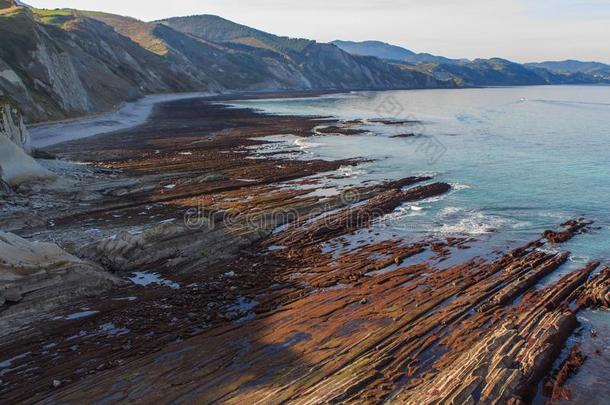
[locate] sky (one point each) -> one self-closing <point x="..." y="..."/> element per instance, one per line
<point x="519" y="30"/>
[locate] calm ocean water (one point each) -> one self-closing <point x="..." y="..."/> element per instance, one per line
<point x="521" y="160"/>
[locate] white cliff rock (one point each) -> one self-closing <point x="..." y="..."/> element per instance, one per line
<point x="36" y="277"/>
<point x="16" y="165"/>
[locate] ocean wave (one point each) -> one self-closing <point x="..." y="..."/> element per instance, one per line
<point x="455" y="220"/>
<point x="448" y="211"/>
<point x="548" y="250"/>
<point x="459" y="187"/>
<point x="397" y="217"/>
<point x="350" y="171"/>
<point x="303" y="143"/>
<point x="579" y="259"/>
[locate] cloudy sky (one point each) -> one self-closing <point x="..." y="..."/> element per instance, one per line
<point x="520" y="30"/>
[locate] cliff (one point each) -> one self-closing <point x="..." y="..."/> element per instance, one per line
<point x="64" y="63"/>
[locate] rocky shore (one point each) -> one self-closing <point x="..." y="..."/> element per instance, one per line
<point x="175" y="264"/>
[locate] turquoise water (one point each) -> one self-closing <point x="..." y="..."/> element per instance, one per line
<point x="520" y="159"/>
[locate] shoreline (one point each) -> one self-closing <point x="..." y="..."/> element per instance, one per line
<point x="138" y="112"/>
<point x="264" y="310"/>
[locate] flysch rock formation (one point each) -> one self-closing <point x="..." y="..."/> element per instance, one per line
<point x="262" y="291"/>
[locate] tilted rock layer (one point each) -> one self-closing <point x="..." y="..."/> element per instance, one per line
<point x="38" y="276"/>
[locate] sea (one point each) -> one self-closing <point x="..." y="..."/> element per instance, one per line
<point x="520" y="159"/>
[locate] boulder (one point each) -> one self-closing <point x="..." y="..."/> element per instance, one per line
<point x="37" y="277"/>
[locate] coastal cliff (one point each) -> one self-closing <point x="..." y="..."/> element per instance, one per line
<point x="64" y="63"/>
<point x="195" y="245"/>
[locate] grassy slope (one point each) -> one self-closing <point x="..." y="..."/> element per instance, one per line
<point x="214" y="28"/>
<point x="17" y="34"/>
<point x="211" y="60"/>
<point x="138" y="31"/>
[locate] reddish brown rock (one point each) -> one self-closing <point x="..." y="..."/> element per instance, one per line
<point x="572" y="227"/>
<point x="554" y="386"/>
<point x="303" y="313"/>
<point x="596" y="293"/>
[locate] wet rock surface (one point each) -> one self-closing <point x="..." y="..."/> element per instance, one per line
<point x="596" y="292"/>
<point x="554" y="386"/>
<point x="571" y="228"/>
<point x="246" y="287"/>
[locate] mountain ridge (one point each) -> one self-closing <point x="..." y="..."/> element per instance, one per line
<point x="65" y="63"/>
<point x="218" y="29"/>
<point x="572" y="67"/>
<point x="384" y="50"/>
<point x="485" y="72"/>
<point x="569" y="65"/>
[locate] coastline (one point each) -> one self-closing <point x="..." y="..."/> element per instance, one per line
<point x="379" y="320"/>
<point x="130" y="114"/>
<point x="125" y="116"/>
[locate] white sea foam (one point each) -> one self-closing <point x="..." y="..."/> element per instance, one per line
<point x="303" y="143"/>
<point x="470" y="222"/>
<point x="403" y="212"/>
<point x="469" y="226"/>
<point x="447" y="211"/>
<point x="459" y="187"/>
<point x="350" y="171"/>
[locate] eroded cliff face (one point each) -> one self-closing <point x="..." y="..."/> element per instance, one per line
<point x="16" y="164"/>
<point x="82" y="67"/>
<point x="12" y="126"/>
<point x="63" y="63"/>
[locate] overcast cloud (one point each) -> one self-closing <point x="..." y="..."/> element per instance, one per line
<point x="519" y="30"/>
